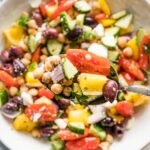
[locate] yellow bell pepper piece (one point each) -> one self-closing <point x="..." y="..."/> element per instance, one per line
<point x="92" y="84"/>
<point x="137" y="99"/>
<point x="23" y="123"/>
<point x="107" y="22"/>
<point x="50" y="10"/>
<point x="135" y="49"/>
<point x="127" y="31"/>
<point x="104" y="7"/>
<point x="79" y="116"/>
<point x="14" y="35"/>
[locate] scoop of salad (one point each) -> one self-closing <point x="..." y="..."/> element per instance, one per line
<point x="64" y="70"/>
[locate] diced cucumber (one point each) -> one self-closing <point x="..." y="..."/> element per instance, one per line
<point x="54" y="23"/>
<point x="122" y="80"/>
<point x="32" y="43"/>
<point x="54" y="47"/>
<point x="58" y="145"/>
<point x="3" y="97"/>
<point x="67" y="23"/>
<point x="113" y="56"/>
<point x="109" y="41"/>
<point x="80" y="20"/>
<point x="121" y="96"/>
<point x="69" y="69"/>
<point x="82" y="6"/>
<point x="140" y="34"/>
<point x="98" y="49"/>
<point x="114" y="70"/>
<point x="98" y="131"/>
<point x="119" y="14"/>
<point x="77" y="89"/>
<point x="77" y="127"/>
<point x="112" y="31"/>
<point x="125" y="21"/>
<point x="92" y="98"/>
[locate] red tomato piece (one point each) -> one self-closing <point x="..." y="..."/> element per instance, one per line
<point x="101" y="16"/>
<point x="64" y="6"/>
<point x="7" y="79"/>
<point x="48" y="112"/>
<point x="128" y="77"/>
<point x="144" y="61"/>
<point x="67" y="135"/>
<point x="145" y="41"/>
<point x="87" y="143"/>
<point x="126" y="109"/>
<point x="88" y="62"/>
<point x="132" y="67"/>
<point x="36" y="55"/>
<point x="45" y="92"/>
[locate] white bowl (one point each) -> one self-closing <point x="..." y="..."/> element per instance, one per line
<point x="134" y="139"/>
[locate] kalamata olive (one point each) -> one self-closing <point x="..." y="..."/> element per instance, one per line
<point x="17" y="100"/>
<point x="50" y="33"/>
<point x="6" y="67"/>
<point x="19" y="67"/>
<point x="110" y="90"/>
<point x="63" y="103"/>
<point x="16" y="51"/>
<point x="46" y="132"/>
<point x="75" y="34"/>
<point x="89" y="21"/>
<point x="107" y="122"/>
<point x="6" y="56"/>
<point x="119" y="131"/>
<point x="36" y="15"/>
<point x="10" y="107"/>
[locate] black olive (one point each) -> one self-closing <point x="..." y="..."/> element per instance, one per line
<point x="119" y="131"/>
<point x="89" y="21"/>
<point x="10" y="107"/>
<point x="107" y="122"/>
<point x="18" y="67"/>
<point x="46" y="131"/>
<point x="16" y="51"/>
<point x="36" y="15"/>
<point x="6" y="56"/>
<point x="110" y="90"/>
<point x="75" y="34"/>
<point x="50" y="33"/>
<point x="6" y="67"/>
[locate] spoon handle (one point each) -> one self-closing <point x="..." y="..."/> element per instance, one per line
<point x="140" y="90"/>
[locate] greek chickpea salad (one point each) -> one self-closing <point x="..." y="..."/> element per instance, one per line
<point x="64" y="69"/>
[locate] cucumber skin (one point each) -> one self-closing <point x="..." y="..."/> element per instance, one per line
<point x="81" y="10"/>
<point x="76" y="129"/>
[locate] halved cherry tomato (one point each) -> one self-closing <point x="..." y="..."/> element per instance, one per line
<point x="45" y="92"/>
<point x="101" y="16"/>
<point x="144" y="60"/>
<point x="87" y="143"/>
<point x="67" y="135"/>
<point x="132" y="67"/>
<point x="87" y="62"/>
<point x="48" y="112"/>
<point x="7" y="79"/>
<point x="126" y="109"/>
<point x="128" y="77"/>
<point x="36" y="55"/>
<point x="64" y="6"/>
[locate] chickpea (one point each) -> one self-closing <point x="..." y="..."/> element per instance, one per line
<point x="20" y="80"/>
<point x="25" y="14"/>
<point x="67" y="82"/>
<point x="23" y="88"/>
<point x="46" y="78"/>
<point x="43" y="58"/>
<point x="32" y="24"/>
<point x="38" y="73"/>
<point x="25" y="61"/>
<point x="13" y="91"/>
<point x="104" y="146"/>
<point x="128" y="52"/>
<point x="2" y="86"/>
<point x="122" y="41"/>
<point x="28" y="56"/>
<point x="67" y="91"/>
<point x="36" y="133"/>
<point x="33" y="92"/>
<point x="32" y="31"/>
<point x="61" y="37"/>
<point x="109" y="138"/>
<point x="57" y="88"/>
<point x="48" y="67"/>
<point x="44" y="51"/>
<point x="55" y="60"/>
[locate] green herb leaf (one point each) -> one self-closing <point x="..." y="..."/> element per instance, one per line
<point x="23" y="21"/>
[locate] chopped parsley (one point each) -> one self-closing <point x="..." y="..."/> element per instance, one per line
<point x="23" y="21"/>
